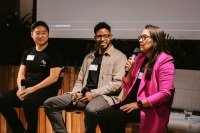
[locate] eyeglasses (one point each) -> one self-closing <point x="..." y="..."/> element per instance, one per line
<point x="99" y="37"/>
<point x="144" y="37"/>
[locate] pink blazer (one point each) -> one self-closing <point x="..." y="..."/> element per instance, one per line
<point x="157" y="91"/>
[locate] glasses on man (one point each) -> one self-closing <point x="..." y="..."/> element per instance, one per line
<point x="144" y="37"/>
<point x="99" y="37"/>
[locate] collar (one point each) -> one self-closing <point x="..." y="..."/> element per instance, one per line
<point x="108" y="53"/>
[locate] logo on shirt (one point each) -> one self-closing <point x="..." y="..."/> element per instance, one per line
<point x="43" y="63"/>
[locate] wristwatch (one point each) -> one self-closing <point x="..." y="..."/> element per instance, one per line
<point x="139" y="104"/>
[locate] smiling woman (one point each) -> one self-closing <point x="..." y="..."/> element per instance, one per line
<point x="149" y="85"/>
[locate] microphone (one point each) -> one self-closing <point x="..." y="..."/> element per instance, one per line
<point x="23" y="83"/>
<point x="83" y="91"/>
<point x="135" y="53"/>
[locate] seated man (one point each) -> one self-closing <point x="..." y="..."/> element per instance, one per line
<point x="98" y="85"/>
<point x="40" y="67"/>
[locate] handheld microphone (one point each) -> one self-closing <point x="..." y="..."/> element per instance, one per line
<point x="82" y="93"/>
<point x="135" y="53"/>
<point x="23" y="83"/>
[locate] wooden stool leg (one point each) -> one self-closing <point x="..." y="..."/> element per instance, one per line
<point x="75" y="122"/>
<point x="44" y="125"/>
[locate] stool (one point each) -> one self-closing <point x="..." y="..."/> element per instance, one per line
<point x="75" y="122"/>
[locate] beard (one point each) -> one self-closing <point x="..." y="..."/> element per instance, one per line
<point x="103" y="46"/>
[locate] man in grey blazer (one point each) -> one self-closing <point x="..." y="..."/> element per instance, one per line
<point x="98" y="85"/>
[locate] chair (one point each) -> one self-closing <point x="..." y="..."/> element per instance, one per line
<point x="171" y="102"/>
<point x="172" y="98"/>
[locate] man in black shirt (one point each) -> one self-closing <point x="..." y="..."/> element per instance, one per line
<point x="40" y="67"/>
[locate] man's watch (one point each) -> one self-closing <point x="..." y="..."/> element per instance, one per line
<point x="139" y="104"/>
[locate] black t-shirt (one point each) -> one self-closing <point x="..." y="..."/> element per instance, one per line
<point x="93" y="76"/>
<point x="38" y="64"/>
<point x="132" y="95"/>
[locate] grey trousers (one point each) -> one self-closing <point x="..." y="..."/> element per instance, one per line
<point x="54" y="105"/>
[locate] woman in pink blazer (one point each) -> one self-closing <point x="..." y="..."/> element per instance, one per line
<point x="149" y="85"/>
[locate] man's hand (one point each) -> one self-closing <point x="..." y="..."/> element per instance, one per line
<point x="26" y="92"/>
<point x="76" y="96"/>
<point x="87" y="97"/>
<point x="19" y="93"/>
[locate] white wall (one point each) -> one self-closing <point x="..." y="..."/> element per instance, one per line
<point x="77" y="18"/>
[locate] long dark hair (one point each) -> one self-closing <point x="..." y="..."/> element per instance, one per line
<point x="159" y="45"/>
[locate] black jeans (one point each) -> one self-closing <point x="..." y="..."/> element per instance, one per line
<point x="114" y="120"/>
<point x="30" y="104"/>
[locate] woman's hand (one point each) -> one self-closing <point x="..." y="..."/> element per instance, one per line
<point x="129" y="64"/>
<point x="129" y="107"/>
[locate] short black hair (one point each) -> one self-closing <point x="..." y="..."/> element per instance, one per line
<point x="101" y="25"/>
<point x="39" y="23"/>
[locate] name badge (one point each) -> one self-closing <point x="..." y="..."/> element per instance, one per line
<point x="140" y="75"/>
<point x="93" y="67"/>
<point x="30" y="57"/>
